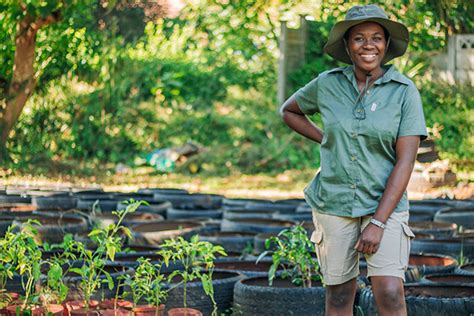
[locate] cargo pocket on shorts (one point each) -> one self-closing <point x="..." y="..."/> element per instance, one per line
<point x="407" y="236"/>
<point x="317" y="238"/>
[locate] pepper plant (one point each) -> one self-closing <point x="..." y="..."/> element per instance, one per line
<point x="146" y="284"/>
<point x="108" y="242"/>
<point x="292" y="252"/>
<point x="197" y="258"/>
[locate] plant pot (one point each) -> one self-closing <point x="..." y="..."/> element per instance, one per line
<point x="149" y="310"/>
<point x="115" y="303"/>
<point x="115" y="312"/>
<point x="74" y="305"/>
<point x="84" y="312"/>
<point x="184" y="312"/>
<point x="12" y="310"/>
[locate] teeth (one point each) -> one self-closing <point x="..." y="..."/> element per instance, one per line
<point x="368" y="56"/>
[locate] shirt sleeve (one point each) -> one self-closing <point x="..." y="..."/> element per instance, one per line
<point x="307" y="97"/>
<point x="412" y="121"/>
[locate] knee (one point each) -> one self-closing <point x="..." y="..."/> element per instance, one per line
<point x="390" y="296"/>
<point x="340" y="298"/>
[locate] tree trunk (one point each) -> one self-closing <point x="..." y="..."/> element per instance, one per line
<point x="23" y="79"/>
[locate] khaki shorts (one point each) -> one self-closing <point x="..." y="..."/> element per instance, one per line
<point x="336" y="236"/>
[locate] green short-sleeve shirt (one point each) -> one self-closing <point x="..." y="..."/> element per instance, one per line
<point x="358" y="156"/>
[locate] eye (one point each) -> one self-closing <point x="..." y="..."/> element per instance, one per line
<point x="378" y="39"/>
<point x="358" y="39"/>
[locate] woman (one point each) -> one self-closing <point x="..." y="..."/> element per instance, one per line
<point x="373" y="123"/>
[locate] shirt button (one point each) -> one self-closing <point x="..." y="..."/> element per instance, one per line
<point x="368" y="91"/>
<point x="359" y="110"/>
<point x="353" y="186"/>
<point x="353" y="158"/>
<point x="354" y="135"/>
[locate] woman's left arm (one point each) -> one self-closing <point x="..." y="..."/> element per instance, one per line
<point x="406" y="149"/>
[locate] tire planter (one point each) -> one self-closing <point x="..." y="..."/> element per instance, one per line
<point x="17" y="207"/>
<point x="206" y="201"/>
<point x="420" y="265"/>
<point x="231" y="241"/>
<point x="105" y="205"/>
<point x="157" y="207"/>
<point x="248" y="214"/>
<point x="15" y="198"/>
<point x="253" y="296"/>
<point x="440" y="230"/>
<point x="297" y="217"/>
<point x="223" y="283"/>
<point x="187" y="212"/>
<point x="282" y="207"/>
<point x="255" y="225"/>
<point x="461" y="216"/>
<point x="248" y="268"/>
<point x="163" y="191"/>
<point x="428" y="300"/>
<point x="231" y="204"/>
<point x="116" y="270"/>
<point x="121" y="197"/>
<point x="54" y="227"/>
<point x="304" y="208"/>
<point x="56" y="202"/>
<point x="105" y="219"/>
<point x="259" y="243"/>
<point x="452" y="278"/>
<point x="466" y="269"/>
<point x="451" y="247"/>
<point x="155" y="232"/>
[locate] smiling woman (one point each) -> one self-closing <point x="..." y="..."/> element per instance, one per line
<point x="373" y="123"/>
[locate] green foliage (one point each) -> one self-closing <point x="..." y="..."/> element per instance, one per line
<point x="146" y="283"/>
<point x="108" y="244"/>
<point x="197" y="258"/>
<point x="293" y="254"/>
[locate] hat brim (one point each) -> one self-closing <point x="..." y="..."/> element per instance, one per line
<point x="399" y="38"/>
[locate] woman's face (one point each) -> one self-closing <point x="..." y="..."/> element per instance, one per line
<point x="367" y="44"/>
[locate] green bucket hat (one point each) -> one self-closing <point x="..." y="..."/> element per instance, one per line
<point x="398" y="33"/>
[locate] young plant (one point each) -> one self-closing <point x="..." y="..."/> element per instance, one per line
<point x="108" y="243"/>
<point x="146" y="284"/>
<point x="293" y="255"/>
<point x="7" y="265"/>
<point x="197" y="258"/>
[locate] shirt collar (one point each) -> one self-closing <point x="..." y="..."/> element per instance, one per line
<point x="391" y="74"/>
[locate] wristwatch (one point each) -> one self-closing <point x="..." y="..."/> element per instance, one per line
<point x="377" y="223"/>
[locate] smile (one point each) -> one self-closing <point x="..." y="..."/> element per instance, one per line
<point x="368" y="57"/>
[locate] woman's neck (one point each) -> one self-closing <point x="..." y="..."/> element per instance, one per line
<point x="361" y="75"/>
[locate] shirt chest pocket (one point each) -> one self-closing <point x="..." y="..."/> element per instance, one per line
<point x="382" y="120"/>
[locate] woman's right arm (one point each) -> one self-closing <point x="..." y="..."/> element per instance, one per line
<point x="300" y="123"/>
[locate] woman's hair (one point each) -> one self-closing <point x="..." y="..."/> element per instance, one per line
<point x="386" y="33"/>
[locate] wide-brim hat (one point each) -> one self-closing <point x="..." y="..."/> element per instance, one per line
<point x="399" y="36"/>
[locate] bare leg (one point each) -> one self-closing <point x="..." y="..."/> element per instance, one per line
<point x="340" y="298"/>
<point x="389" y="295"/>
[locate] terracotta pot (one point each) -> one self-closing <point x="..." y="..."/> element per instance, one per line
<point x="53" y="309"/>
<point x="115" y="303"/>
<point x="8" y="298"/>
<point x="115" y="312"/>
<point x="149" y="310"/>
<point x="184" y="312"/>
<point x="35" y="310"/>
<point x="69" y="306"/>
<point x="84" y="312"/>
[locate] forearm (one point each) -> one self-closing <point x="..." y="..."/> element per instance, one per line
<point x="396" y="186"/>
<point x="303" y="126"/>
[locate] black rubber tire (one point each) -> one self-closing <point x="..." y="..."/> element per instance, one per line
<point x="196" y="200"/>
<point x="420" y="265"/>
<point x="237" y="213"/>
<point x="304" y="208"/>
<point x="231" y="241"/>
<point x="451" y="247"/>
<point x="248" y="268"/>
<point x="15" y="198"/>
<point x="106" y="218"/>
<point x="188" y="212"/>
<point x="255" y="225"/>
<point x="466" y="269"/>
<point x="253" y="296"/>
<point x="297" y="217"/>
<point x="57" y="202"/>
<point x="105" y="205"/>
<point x="259" y="243"/>
<point x="461" y="216"/>
<point x="438" y="230"/>
<point x="116" y="270"/>
<point x="154" y="233"/>
<point x="158" y="207"/>
<point x="163" y="191"/>
<point x="55" y="226"/>
<point x="449" y="278"/>
<point x="438" y="302"/>
<point x="238" y="204"/>
<point x="277" y="206"/>
<point x="223" y="283"/>
<point x="121" y="197"/>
